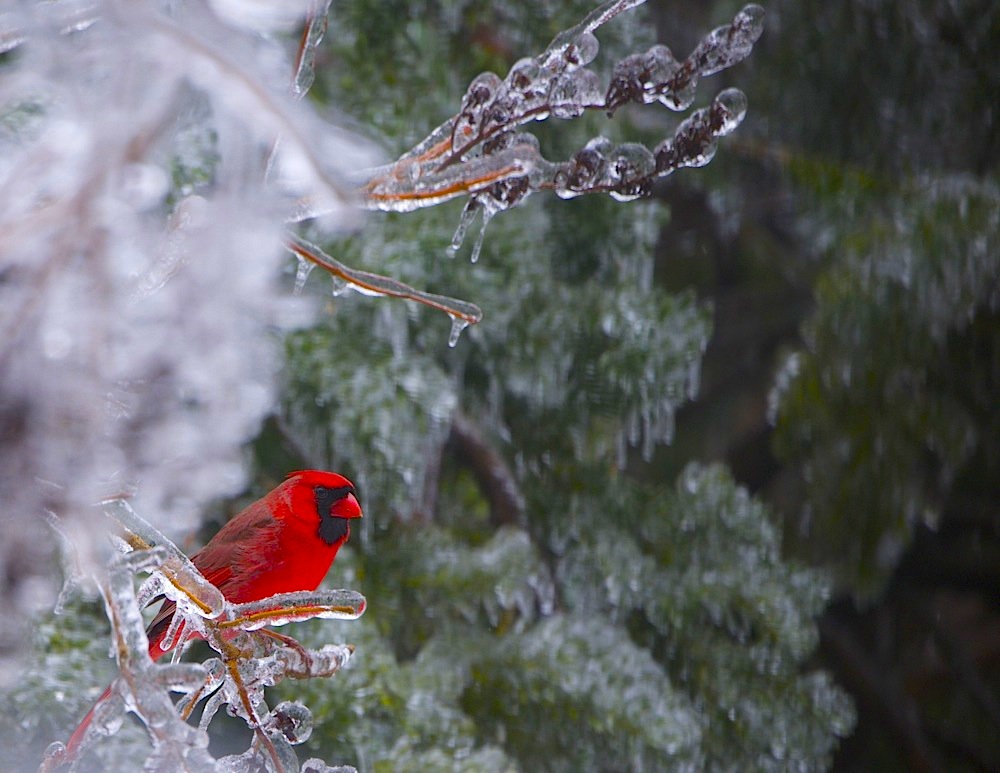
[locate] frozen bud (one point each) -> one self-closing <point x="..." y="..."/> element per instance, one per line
<point x="681" y="96"/>
<point x="659" y="65"/>
<point x="481" y="92"/>
<point x="749" y="23"/>
<point x="694" y="143"/>
<point x="630" y="169"/>
<point x="293" y="720"/>
<point x="632" y="161"/>
<point x="581" y="51"/>
<point x="727" y="112"/>
<point x="626" y="82"/>
<point x="588" y="165"/>
<point x="725" y="46"/>
<point x="523" y="74"/>
<point x="502" y="110"/>
<point x="572" y="93"/>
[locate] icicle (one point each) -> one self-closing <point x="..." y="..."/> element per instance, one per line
<point x="212" y="706"/>
<point x="337" y="286"/>
<point x="648" y="435"/>
<point x="170" y="638"/>
<point x="478" y="246"/>
<point x="665" y="432"/>
<point x="302" y="272"/>
<point x="458" y="324"/>
<point x="468" y="215"/>
<point x="730" y="107"/>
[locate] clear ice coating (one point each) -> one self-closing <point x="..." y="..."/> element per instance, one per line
<point x="303" y="269"/>
<point x="480" y="154"/>
<point x="292" y="719"/>
<point x="729" y="108"/>
<point x="316" y="24"/>
<point x="368" y="283"/>
<point x="725" y="46"/>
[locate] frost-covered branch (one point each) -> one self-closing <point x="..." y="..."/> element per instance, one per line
<point x="249" y="657"/>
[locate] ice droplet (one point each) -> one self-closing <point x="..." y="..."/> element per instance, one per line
<point x="660" y="66"/>
<point x="54" y="751"/>
<point x="680" y="99"/>
<point x="630" y="167"/>
<point x="523" y="73"/>
<point x="581" y="51"/>
<point x="302" y="272"/>
<point x="728" y="109"/>
<point x="485" y="90"/>
<point x="337" y="286"/>
<point x="574" y="92"/>
<point x="464" y="221"/>
<point x="457" y="326"/>
<point x="293" y="720"/>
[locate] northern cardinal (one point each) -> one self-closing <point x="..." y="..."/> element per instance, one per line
<point x="282" y="543"/>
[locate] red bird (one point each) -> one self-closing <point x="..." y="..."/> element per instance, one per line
<point x="282" y="543"/>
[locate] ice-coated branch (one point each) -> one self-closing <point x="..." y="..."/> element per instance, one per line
<point x="249" y="657"/>
<point x="190" y="588"/>
<point x="462" y="313"/>
<point x="312" y="36"/>
<point x="479" y="153"/>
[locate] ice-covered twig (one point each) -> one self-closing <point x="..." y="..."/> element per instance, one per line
<point x="478" y="153"/>
<point x="69" y="558"/>
<point x="462" y="313"/>
<point x="312" y="35"/>
<point x="287" y="608"/>
<point x="191" y="588"/>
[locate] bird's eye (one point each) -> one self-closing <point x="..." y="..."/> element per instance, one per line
<point x="331" y="528"/>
